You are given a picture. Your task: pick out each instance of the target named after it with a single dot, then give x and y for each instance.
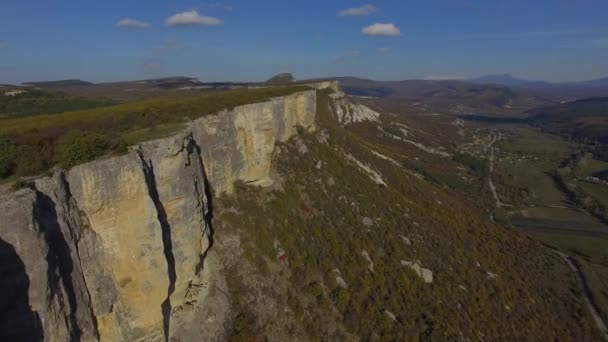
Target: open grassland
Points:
(142, 114)
(589, 167)
(597, 191)
(565, 228)
(528, 141)
(35, 102)
(534, 178)
(31, 144)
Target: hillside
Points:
(583, 120)
(562, 91)
(32, 144)
(281, 79)
(456, 97)
(31, 101)
(310, 215)
(60, 83)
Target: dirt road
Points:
(580, 281)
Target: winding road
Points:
(580, 280)
(490, 182)
(582, 286)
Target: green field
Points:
(565, 228)
(533, 176)
(590, 167)
(528, 141)
(35, 102)
(597, 191)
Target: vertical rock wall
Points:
(115, 249)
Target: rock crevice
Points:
(120, 248)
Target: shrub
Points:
(79, 147)
(477, 165)
(21, 184)
(7, 156)
(29, 161)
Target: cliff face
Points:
(119, 248)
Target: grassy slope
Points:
(35, 143)
(583, 120)
(318, 220)
(36, 102)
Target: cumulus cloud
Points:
(191, 18)
(381, 30)
(357, 11)
(132, 23)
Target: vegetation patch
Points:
(31, 144)
(31, 101)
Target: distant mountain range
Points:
(561, 90)
(455, 96)
(60, 83)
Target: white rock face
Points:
(424, 273)
(374, 175)
(341, 282)
(420, 146)
(346, 111)
(382, 156)
(391, 316)
(238, 144)
(369, 260)
(491, 275)
(405, 240)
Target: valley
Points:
(300, 212)
(306, 171)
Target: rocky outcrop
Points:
(346, 111)
(119, 249)
(424, 273)
(238, 144)
(329, 84)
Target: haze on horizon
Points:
(251, 41)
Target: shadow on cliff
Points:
(58, 258)
(148, 169)
(18, 322)
(209, 214)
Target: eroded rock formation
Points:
(119, 248)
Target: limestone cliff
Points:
(119, 249)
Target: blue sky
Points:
(557, 40)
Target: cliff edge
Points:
(119, 248)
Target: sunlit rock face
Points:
(118, 249)
(238, 144)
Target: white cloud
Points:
(381, 30)
(355, 52)
(191, 18)
(357, 11)
(132, 23)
